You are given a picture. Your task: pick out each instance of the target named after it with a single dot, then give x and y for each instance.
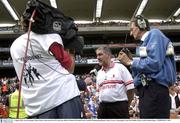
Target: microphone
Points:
(95, 70)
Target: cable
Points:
(45, 63)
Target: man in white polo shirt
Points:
(115, 86)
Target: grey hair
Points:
(105, 49)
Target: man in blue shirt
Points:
(154, 71)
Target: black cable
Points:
(45, 63)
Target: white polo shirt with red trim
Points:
(114, 83)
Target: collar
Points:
(144, 36)
(110, 66)
(175, 94)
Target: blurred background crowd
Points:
(89, 96)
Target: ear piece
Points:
(141, 23)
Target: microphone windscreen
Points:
(97, 67)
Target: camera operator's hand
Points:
(124, 59)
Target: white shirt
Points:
(52, 84)
(114, 83)
(173, 102)
(145, 35)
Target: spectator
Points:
(13, 105)
(134, 108)
(175, 102)
(3, 111)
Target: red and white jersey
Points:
(114, 83)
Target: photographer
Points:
(154, 72)
(49, 88)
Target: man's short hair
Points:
(105, 49)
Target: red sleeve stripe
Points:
(129, 82)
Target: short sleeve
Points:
(48, 39)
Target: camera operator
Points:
(49, 88)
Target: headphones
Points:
(142, 23)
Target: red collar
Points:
(110, 66)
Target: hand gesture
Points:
(124, 59)
(128, 53)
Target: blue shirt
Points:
(156, 64)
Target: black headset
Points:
(142, 23)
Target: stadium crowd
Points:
(89, 97)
